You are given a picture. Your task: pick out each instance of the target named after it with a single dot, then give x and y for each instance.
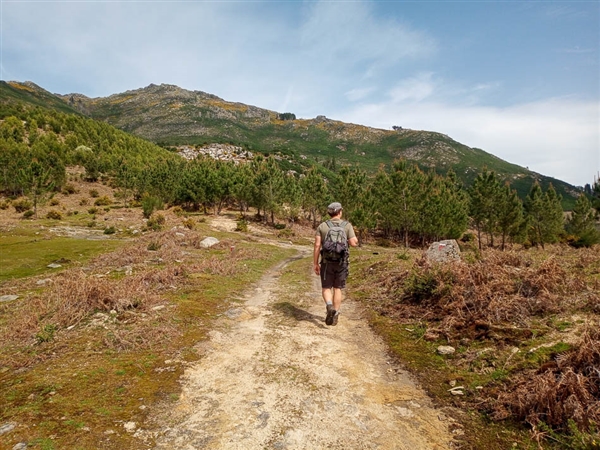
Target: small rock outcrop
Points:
(443, 251)
(208, 242)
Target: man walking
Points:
(332, 240)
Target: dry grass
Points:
(118, 291)
(503, 289)
(508, 302)
(567, 390)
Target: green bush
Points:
(84, 202)
(587, 239)
(94, 193)
(22, 205)
(103, 201)
(154, 246)
(54, 215)
(69, 189)
(241, 225)
(92, 211)
(189, 223)
(110, 230)
(156, 222)
(46, 334)
(4, 204)
(420, 286)
(54, 202)
(178, 211)
(151, 204)
(28, 214)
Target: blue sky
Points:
(520, 80)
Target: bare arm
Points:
(353, 242)
(316, 253)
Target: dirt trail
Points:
(274, 376)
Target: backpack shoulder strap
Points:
(329, 223)
(344, 223)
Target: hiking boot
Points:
(334, 321)
(330, 315)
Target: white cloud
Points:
(358, 94)
(344, 36)
(556, 137)
(417, 88)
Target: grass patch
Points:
(23, 255)
(91, 362)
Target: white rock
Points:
(7, 427)
(209, 242)
(130, 426)
(53, 266)
(20, 446)
(445, 350)
(8, 298)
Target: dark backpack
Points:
(335, 245)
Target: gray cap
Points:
(334, 207)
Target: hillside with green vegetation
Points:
(105, 277)
(172, 116)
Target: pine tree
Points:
(544, 214)
(554, 222)
(485, 193)
(510, 214)
(582, 223)
(36, 182)
(315, 194)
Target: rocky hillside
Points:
(170, 115)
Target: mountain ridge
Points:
(172, 116)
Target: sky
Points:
(518, 79)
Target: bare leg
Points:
(327, 295)
(337, 298)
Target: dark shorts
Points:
(333, 275)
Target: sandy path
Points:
(274, 376)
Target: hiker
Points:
(331, 243)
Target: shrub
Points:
(189, 223)
(151, 204)
(94, 193)
(91, 224)
(28, 214)
(93, 211)
(46, 334)
(54, 215)
(154, 246)
(22, 205)
(178, 211)
(587, 239)
(54, 202)
(156, 222)
(103, 201)
(285, 233)
(242, 225)
(84, 202)
(4, 204)
(69, 189)
(110, 230)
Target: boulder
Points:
(443, 251)
(445, 350)
(209, 242)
